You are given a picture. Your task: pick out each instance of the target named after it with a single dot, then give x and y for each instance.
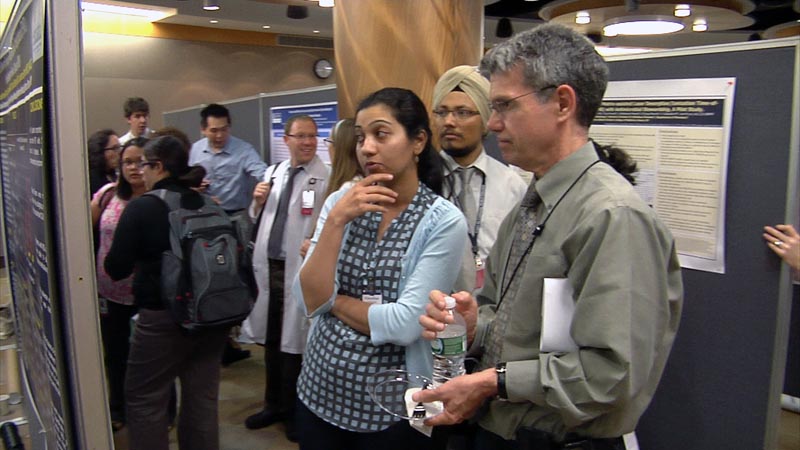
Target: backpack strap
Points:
(257, 223)
(172, 199)
(105, 199)
(173, 202)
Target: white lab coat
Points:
(298, 228)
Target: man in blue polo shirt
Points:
(233, 166)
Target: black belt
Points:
(231, 212)
(592, 444)
(530, 438)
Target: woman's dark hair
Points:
(176, 133)
(181, 136)
(344, 166)
(175, 159)
(619, 159)
(124, 188)
(96, 146)
(410, 112)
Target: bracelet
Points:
(500, 369)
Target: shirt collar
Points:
(450, 165)
(225, 149)
(561, 176)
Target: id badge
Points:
(479, 272)
(373, 297)
(307, 203)
(102, 306)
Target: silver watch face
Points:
(323, 68)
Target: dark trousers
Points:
(115, 326)
(317, 434)
(282, 369)
(531, 439)
(161, 352)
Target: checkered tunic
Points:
(339, 360)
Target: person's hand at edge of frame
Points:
(784, 240)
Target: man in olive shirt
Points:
(591, 230)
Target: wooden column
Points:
(408, 44)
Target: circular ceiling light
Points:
(641, 25)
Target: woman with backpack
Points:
(116, 297)
(161, 350)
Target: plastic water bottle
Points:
(449, 347)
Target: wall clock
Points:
(323, 68)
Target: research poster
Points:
(24, 158)
(678, 131)
(324, 114)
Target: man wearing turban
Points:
(483, 188)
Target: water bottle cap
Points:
(449, 302)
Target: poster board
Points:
(27, 211)
(47, 227)
(678, 131)
(325, 115)
(722, 384)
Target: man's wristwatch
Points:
(500, 369)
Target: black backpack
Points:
(206, 276)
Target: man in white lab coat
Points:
(286, 205)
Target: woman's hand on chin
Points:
(368, 195)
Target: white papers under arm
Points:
(558, 308)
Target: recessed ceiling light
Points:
(210, 5)
(213, 21)
(316, 31)
(700, 25)
(582, 18)
(266, 27)
(682, 11)
(326, 3)
(642, 25)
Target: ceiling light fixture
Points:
(152, 15)
(700, 25)
(210, 5)
(326, 3)
(213, 21)
(642, 25)
(266, 27)
(682, 11)
(582, 18)
(719, 15)
(783, 30)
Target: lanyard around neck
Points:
(536, 233)
(473, 236)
